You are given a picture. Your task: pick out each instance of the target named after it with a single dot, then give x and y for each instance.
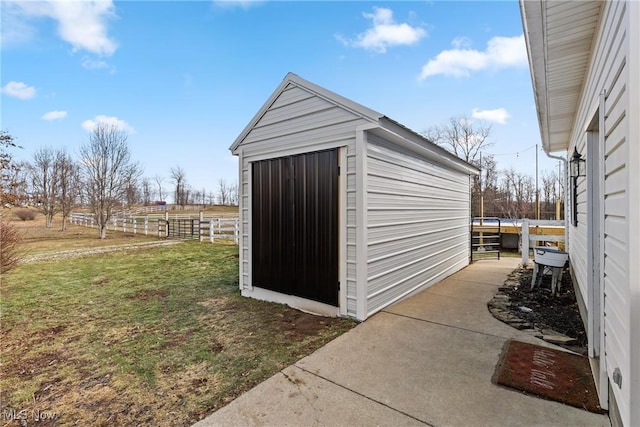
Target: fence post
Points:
(166, 224)
(146, 225)
(211, 230)
(525, 242)
(236, 232)
(135, 224)
(200, 234)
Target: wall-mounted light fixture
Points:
(577, 169)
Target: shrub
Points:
(9, 241)
(25, 214)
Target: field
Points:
(141, 336)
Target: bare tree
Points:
(159, 181)
(133, 191)
(19, 176)
(108, 169)
(211, 198)
(44, 181)
(519, 193)
(178, 177)
(146, 191)
(7, 168)
(10, 238)
(69, 184)
(233, 194)
(485, 187)
(223, 192)
(462, 137)
(549, 192)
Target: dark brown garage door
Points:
(295, 225)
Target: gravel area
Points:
(76, 253)
(553, 318)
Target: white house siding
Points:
(633, 221)
(299, 121)
(417, 222)
(351, 276)
(608, 72)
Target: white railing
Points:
(205, 227)
(529, 239)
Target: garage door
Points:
(295, 225)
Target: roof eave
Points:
(559, 37)
(534, 40)
(326, 94)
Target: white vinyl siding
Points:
(404, 202)
(616, 279)
(608, 73)
(417, 223)
(350, 176)
(299, 121)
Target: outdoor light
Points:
(578, 169)
(577, 164)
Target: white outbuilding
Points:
(344, 211)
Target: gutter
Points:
(566, 195)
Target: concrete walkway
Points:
(427, 360)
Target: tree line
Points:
(503, 193)
(104, 179)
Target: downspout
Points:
(566, 193)
(551, 156)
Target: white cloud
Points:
(501, 52)
(14, 30)
(384, 32)
(83, 24)
(92, 64)
(54, 115)
(499, 115)
(19, 90)
(88, 125)
(461, 42)
(244, 4)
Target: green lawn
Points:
(155, 336)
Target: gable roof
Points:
(382, 122)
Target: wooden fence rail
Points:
(194, 227)
(529, 239)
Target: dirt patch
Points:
(215, 303)
(296, 324)
(52, 331)
(28, 367)
(554, 318)
(119, 334)
(147, 294)
(100, 281)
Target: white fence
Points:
(529, 240)
(201, 227)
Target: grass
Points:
(39, 240)
(154, 336)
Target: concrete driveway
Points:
(427, 360)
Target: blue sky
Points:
(184, 78)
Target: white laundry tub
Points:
(552, 257)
